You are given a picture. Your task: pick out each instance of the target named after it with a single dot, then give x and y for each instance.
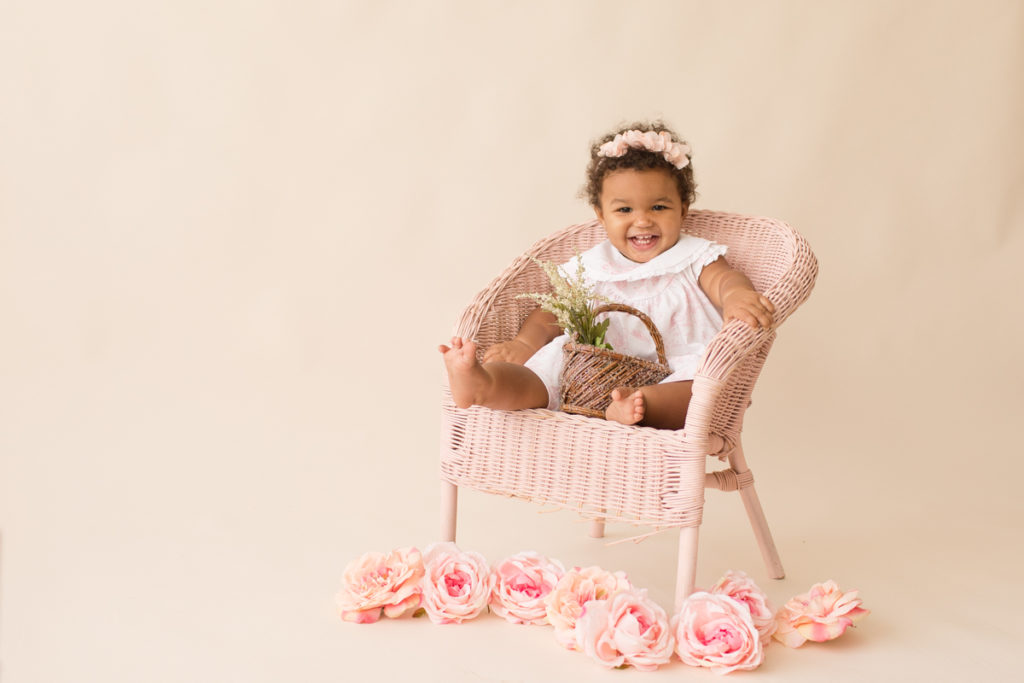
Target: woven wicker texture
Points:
(589, 374)
(602, 469)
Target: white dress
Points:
(665, 288)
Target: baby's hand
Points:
(747, 305)
(512, 351)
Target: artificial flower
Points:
(740, 587)
(676, 153)
(564, 603)
(716, 631)
(456, 584)
(821, 614)
(628, 629)
(380, 582)
(520, 585)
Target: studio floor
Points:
(232, 236)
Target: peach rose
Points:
(578, 586)
(456, 584)
(821, 614)
(717, 631)
(627, 629)
(520, 585)
(740, 587)
(379, 582)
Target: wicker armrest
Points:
(727, 349)
(496, 313)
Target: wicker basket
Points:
(590, 374)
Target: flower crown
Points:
(675, 153)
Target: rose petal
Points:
(367, 616)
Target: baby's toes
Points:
(639, 406)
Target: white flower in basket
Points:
(574, 304)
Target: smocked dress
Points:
(665, 288)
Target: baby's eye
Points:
(659, 207)
(624, 209)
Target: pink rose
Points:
(377, 582)
(740, 587)
(577, 587)
(521, 583)
(456, 584)
(627, 629)
(717, 632)
(821, 614)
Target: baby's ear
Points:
(600, 214)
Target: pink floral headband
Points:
(675, 153)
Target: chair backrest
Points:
(776, 258)
(762, 248)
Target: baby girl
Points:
(640, 185)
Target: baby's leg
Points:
(498, 385)
(659, 405)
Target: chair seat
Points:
(600, 469)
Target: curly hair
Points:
(637, 160)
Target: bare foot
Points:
(467, 379)
(626, 408)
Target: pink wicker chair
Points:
(607, 471)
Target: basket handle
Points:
(659, 344)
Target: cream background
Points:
(232, 235)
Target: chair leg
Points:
(449, 510)
(763, 534)
(597, 528)
(686, 571)
(755, 513)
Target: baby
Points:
(640, 185)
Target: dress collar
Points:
(604, 263)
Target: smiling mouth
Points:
(643, 242)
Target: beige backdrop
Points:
(233, 234)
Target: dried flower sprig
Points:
(573, 303)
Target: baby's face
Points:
(642, 212)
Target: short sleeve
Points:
(712, 252)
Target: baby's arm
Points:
(538, 329)
(732, 293)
